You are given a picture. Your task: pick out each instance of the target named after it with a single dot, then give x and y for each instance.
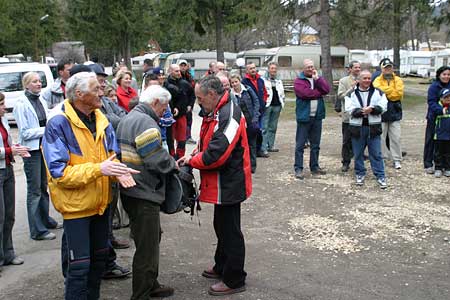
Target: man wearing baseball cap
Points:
(391, 84)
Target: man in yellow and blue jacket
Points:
(79, 148)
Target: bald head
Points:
(174, 71)
(308, 68)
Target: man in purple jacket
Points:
(309, 110)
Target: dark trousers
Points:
(308, 131)
(428, 147)
(252, 135)
(188, 124)
(7, 214)
(442, 155)
(145, 229)
(347, 151)
(170, 141)
(87, 249)
(39, 220)
(230, 251)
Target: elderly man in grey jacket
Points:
(346, 87)
(140, 142)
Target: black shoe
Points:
(116, 272)
(274, 150)
(345, 168)
(264, 154)
(404, 153)
(162, 291)
(299, 175)
(319, 171)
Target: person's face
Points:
(308, 69)
(225, 83)
(126, 81)
(159, 108)
(213, 68)
(176, 73)
(273, 71)
(220, 67)
(2, 108)
(365, 80)
(206, 101)
(387, 70)
(184, 67)
(355, 70)
(235, 84)
(145, 67)
(102, 81)
(65, 74)
(113, 96)
(444, 77)
(90, 99)
(161, 79)
(251, 69)
(35, 85)
(446, 100)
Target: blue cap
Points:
(445, 93)
(158, 71)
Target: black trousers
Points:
(442, 155)
(230, 251)
(428, 147)
(347, 150)
(252, 135)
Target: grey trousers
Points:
(7, 214)
(394, 131)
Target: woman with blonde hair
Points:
(30, 113)
(124, 90)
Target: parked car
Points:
(11, 81)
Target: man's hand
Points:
(111, 168)
(367, 110)
(315, 75)
(126, 180)
(184, 160)
(20, 150)
(175, 112)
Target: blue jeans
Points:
(7, 213)
(270, 124)
(375, 156)
(86, 240)
(308, 131)
(39, 220)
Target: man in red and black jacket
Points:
(223, 158)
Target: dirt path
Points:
(321, 238)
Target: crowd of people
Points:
(92, 147)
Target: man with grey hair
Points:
(309, 88)
(223, 158)
(79, 147)
(140, 142)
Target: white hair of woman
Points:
(80, 82)
(155, 92)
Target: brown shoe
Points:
(162, 291)
(221, 289)
(211, 274)
(120, 244)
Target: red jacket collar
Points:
(222, 102)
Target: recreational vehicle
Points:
(137, 62)
(439, 58)
(415, 63)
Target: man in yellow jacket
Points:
(392, 86)
(79, 147)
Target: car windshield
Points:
(12, 82)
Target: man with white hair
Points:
(79, 147)
(140, 142)
(309, 88)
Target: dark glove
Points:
(357, 113)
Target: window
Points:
(12, 82)
(191, 62)
(136, 62)
(337, 62)
(432, 62)
(255, 60)
(285, 61)
(445, 61)
(422, 61)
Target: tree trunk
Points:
(219, 33)
(396, 34)
(324, 35)
(411, 28)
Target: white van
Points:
(11, 81)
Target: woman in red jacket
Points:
(124, 90)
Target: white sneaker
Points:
(438, 173)
(447, 173)
(382, 182)
(429, 170)
(397, 165)
(360, 179)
